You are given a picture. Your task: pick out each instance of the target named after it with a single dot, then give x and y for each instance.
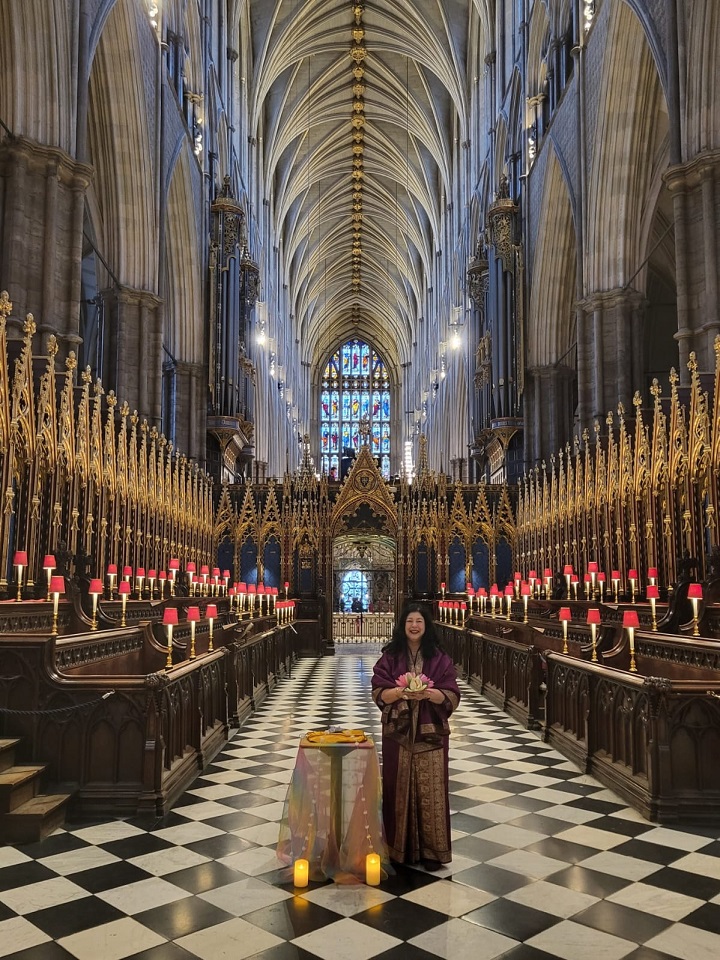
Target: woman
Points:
(416, 808)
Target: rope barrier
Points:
(54, 710)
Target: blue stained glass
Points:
(385, 467)
(345, 399)
(335, 464)
(323, 464)
(365, 361)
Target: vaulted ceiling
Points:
(359, 107)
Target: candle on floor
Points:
(372, 869)
(300, 873)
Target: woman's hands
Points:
(430, 693)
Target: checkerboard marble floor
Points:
(546, 862)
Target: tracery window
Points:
(354, 400)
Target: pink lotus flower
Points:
(407, 681)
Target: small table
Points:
(333, 815)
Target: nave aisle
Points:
(547, 863)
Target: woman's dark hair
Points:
(429, 643)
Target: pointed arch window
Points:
(355, 391)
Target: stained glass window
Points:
(354, 394)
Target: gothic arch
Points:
(183, 295)
(120, 142)
(625, 162)
(552, 291)
(37, 53)
(703, 87)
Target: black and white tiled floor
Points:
(547, 863)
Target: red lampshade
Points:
(211, 611)
(124, 588)
(616, 575)
(652, 591)
(586, 578)
(630, 619)
(494, 590)
(568, 570)
(260, 588)
(162, 575)
(592, 567)
(216, 571)
(456, 604)
(275, 591)
(112, 569)
(140, 572)
(193, 613)
(205, 570)
(468, 586)
(190, 566)
(242, 587)
(593, 615)
(518, 575)
(695, 591)
(509, 590)
(287, 584)
(525, 590)
(20, 558)
(49, 562)
(482, 592)
(232, 591)
(170, 617)
(226, 574)
(57, 585)
(532, 575)
(152, 574)
(470, 591)
(652, 573)
(632, 575)
(574, 578)
(95, 587)
(463, 605)
(601, 577)
(442, 585)
(174, 564)
(547, 573)
(565, 614)
(251, 588)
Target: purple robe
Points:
(416, 807)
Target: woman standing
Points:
(416, 808)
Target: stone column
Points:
(612, 345)
(42, 222)
(133, 358)
(552, 411)
(694, 186)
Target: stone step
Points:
(19, 784)
(7, 752)
(36, 818)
